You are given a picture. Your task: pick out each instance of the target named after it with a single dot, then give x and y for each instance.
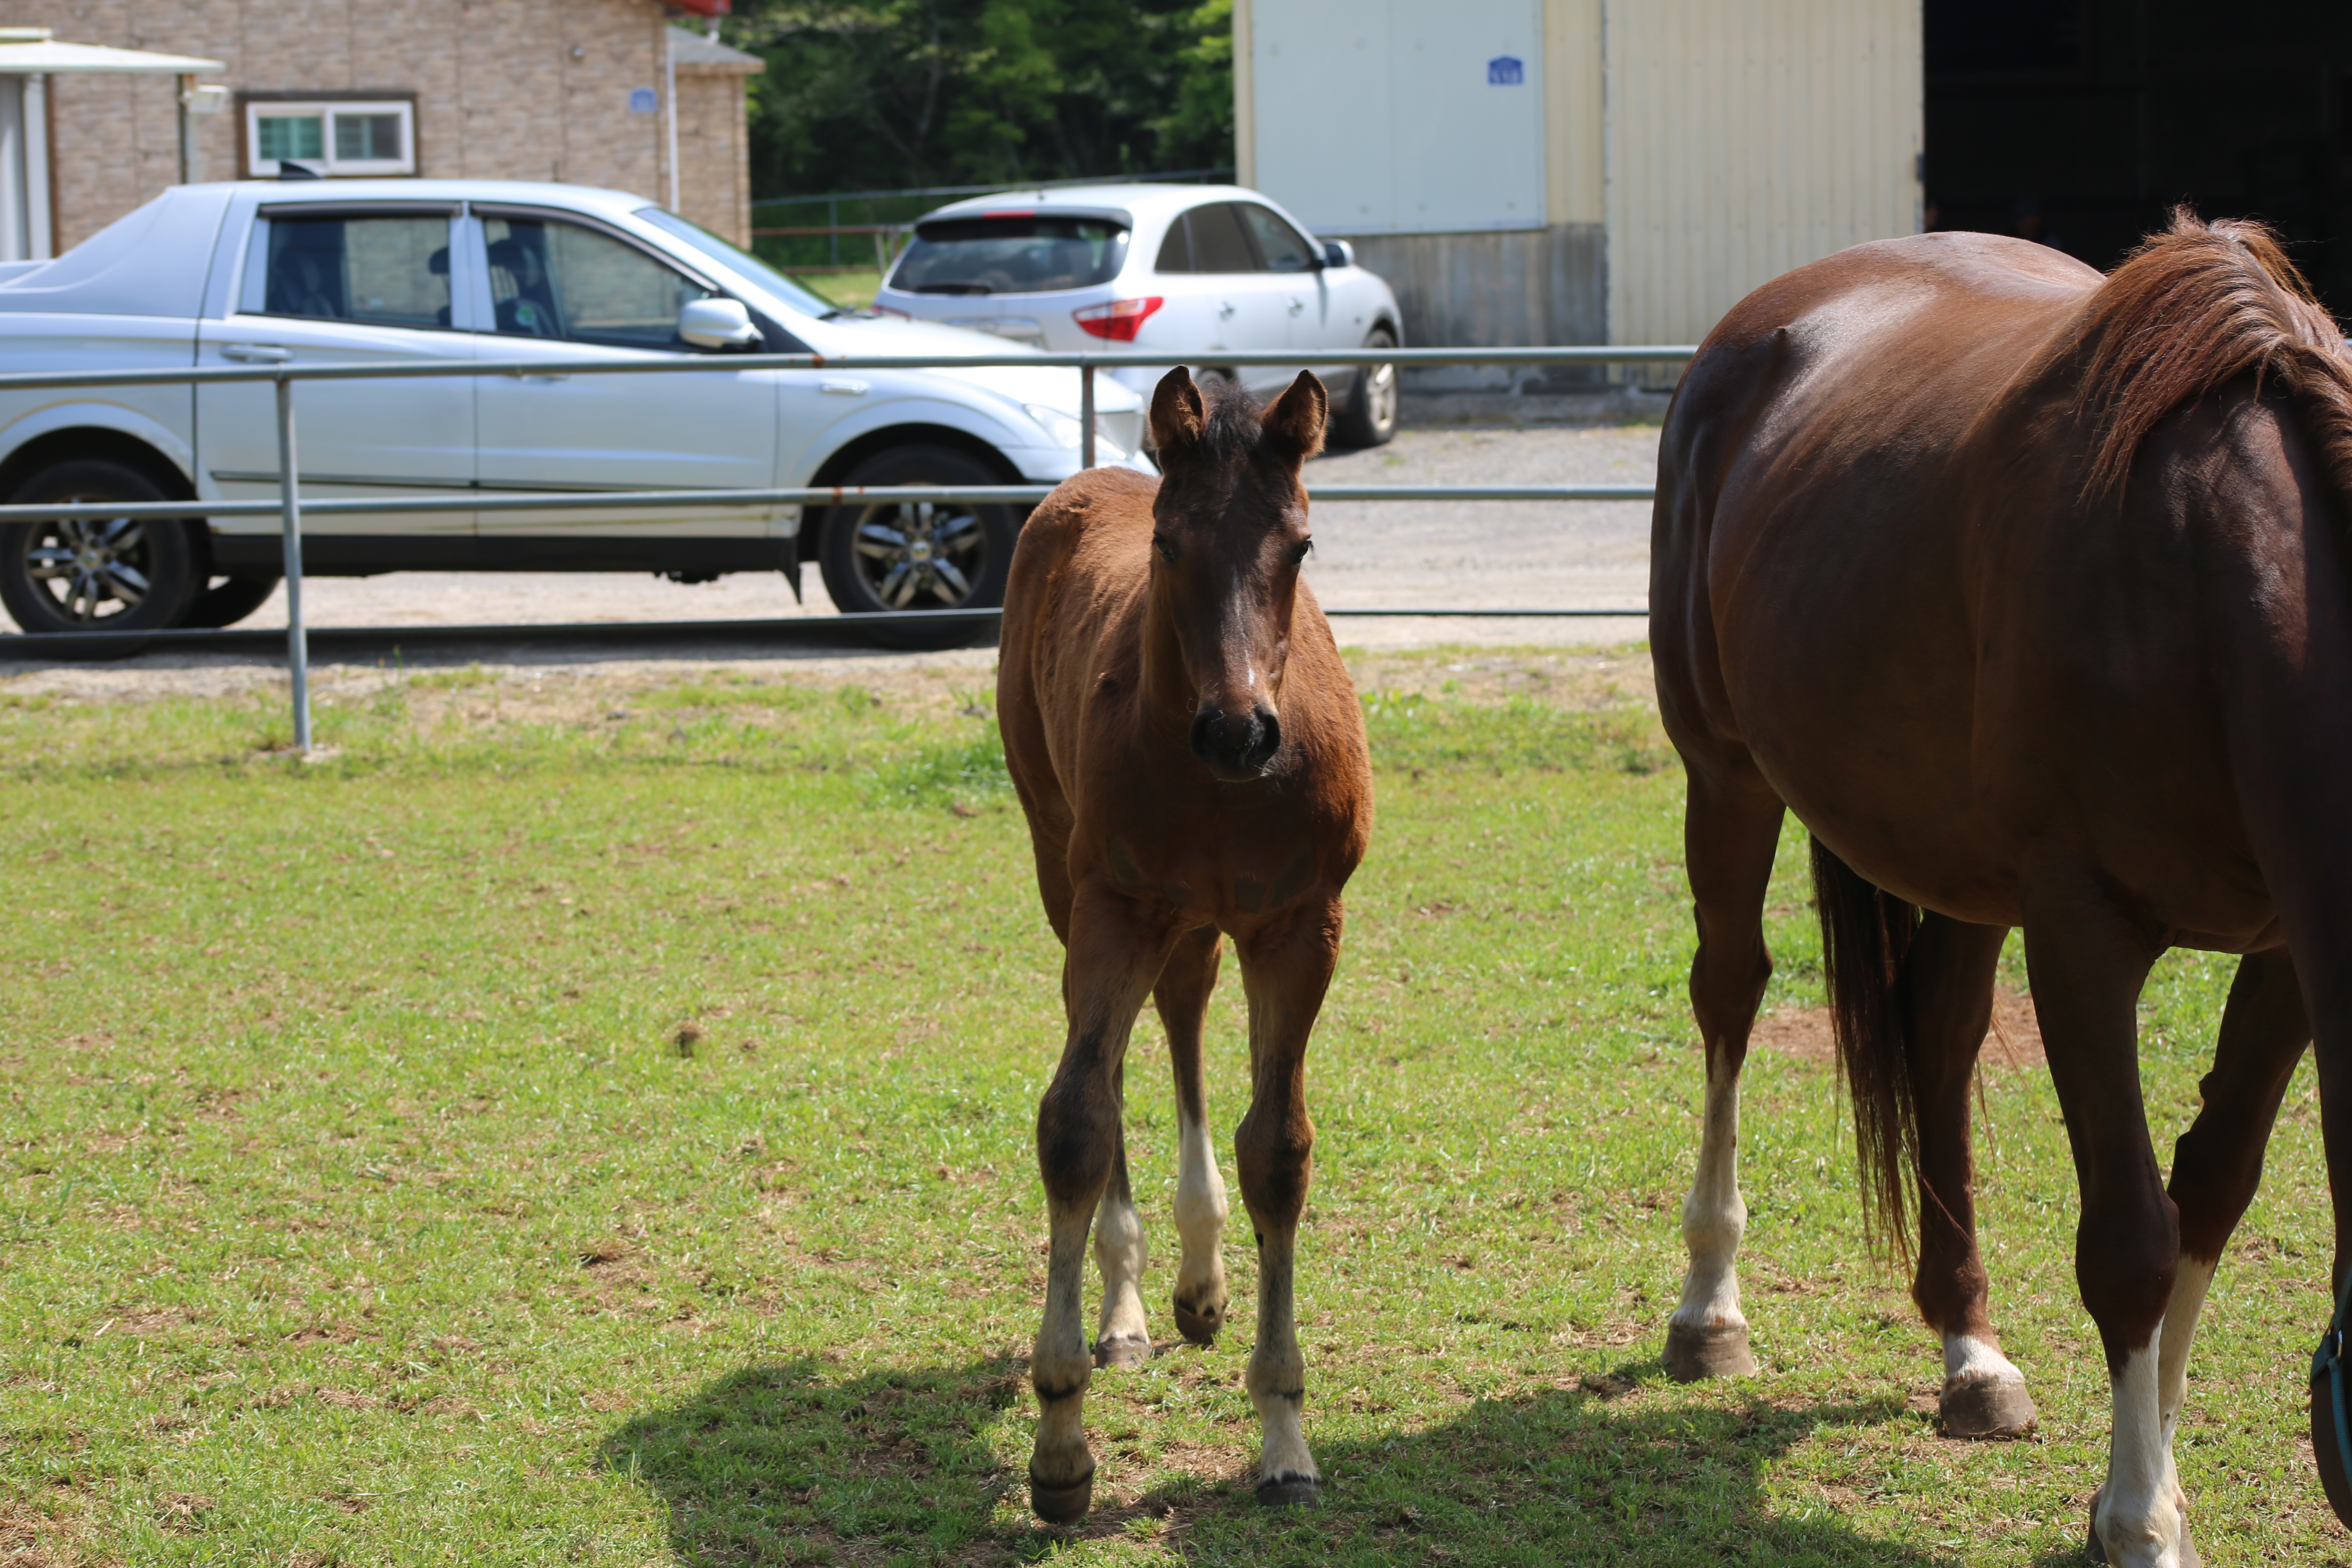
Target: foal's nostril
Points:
(1268, 739)
(1205, 726)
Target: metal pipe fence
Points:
(289, 508)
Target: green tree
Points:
(861, 94)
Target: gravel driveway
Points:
(1371, 554)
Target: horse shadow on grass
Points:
(788, 1463)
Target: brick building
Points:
(593, 92)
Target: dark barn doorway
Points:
(2079, 122)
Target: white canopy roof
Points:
(25, 52)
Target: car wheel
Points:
(93, 574)
(893, 555)
(230, 601)
(1370, 418)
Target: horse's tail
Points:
(1865, 936)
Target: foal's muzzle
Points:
(1236, 746)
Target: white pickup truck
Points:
(392, 270)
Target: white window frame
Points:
(260, 168)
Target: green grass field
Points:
(360, 1204)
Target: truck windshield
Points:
(1011, 253)
(742, 262)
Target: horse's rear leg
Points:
(1948, 1005)
(2089, 960)
(2216, 1165)
(1122, 1338)
(1182, 996)
(1730, 830)
(1116, 951)
(1287, 969)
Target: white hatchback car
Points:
(392, 270)
(1189, 268)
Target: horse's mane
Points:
(2194, 306)
(1231, 424)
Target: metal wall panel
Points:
(1398, 116)
(1748, 137)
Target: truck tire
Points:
(891, 556)
(111, 575)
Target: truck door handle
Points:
(1225, 310)
(1297, 305)
(257, 354)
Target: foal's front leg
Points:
(1285, 968)
(1183, 996)
(1115, 950)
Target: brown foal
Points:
(1191, 754)
(2027, 591)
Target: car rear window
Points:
(1011, 253)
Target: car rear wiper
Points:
(954, 289)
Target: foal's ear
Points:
(1176, 413)
(1295, 421)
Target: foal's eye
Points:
(1301, 551)
(1166, 546)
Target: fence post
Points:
(289, 516)
(1087, 416)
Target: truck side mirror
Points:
(718, 323)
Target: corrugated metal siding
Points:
(1747, 137)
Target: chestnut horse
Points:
(1191, 755)
(2026, 590)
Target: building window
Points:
(336, 138)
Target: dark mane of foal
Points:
(2193, 308)
(1233, 428)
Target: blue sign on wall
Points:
(1506, 70)
(645, 100)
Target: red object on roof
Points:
(703, 7)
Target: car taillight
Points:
(1119, 319)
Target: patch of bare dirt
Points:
(1803, 1034)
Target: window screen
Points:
(1218, 243)
(1283, 247)
(561, 280)
(391, 271)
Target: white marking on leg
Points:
(1201, 1211)
(1715, 1216)
(2139, 1516)
(1969, 1359)
(1277, 1372)
(2194, 1278)
(1121, 1255)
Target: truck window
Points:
(390, 272)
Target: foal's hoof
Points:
(1985, 1407)
(1061, 1504)
(2098, 1549)
(1290, 1489)
(1718, 1351)
(1199, 1328)
(1125, 1350)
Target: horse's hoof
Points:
(2327, 1454)
(1126, 1350)
(1985, 1408)
(1062, 1504)
(1290, 1489)
(2098, 1549)
(1720, 1351)
(1199, 1328)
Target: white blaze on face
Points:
(2139, 1518)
